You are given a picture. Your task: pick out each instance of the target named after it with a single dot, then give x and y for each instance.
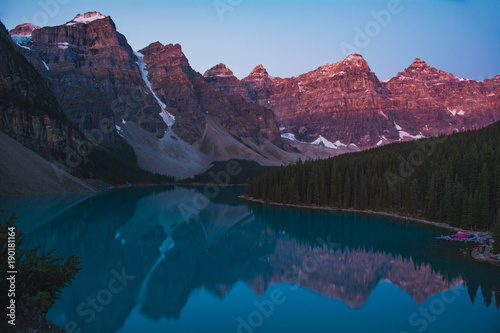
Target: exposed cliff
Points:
(191, 100)
(345, 103)
(30, 113)
(176, 123)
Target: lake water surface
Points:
(170, 259)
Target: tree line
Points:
(453, 179)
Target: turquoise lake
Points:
(171, 259)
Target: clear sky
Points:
(292, 37)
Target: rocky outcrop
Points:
(175, 118)
(222, 79)
(190, 100)
(346, 103)
(29, 111)
(259, 86)
(430, 101)
(93, 72)
(175, 122)
(24, 29)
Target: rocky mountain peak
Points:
(157, 47)
(259, 70)
(356, 60)
(86, 18)
(418, 63)
(419, 70)
(153, 47)
(174, 47)
(218, 70)
(24, 29)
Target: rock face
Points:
(94, 74)
(432, 101)
(222, 79)
(191, 100)
(24, 29)
(29, 111)
(176, 123)
(346, 103)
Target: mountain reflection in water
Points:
(225, 242)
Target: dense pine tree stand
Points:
(453, 179)
(496, 234)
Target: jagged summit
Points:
(419, 70)
(355, 60)
(158, 46)
(218, 70)
(24, 29)
(418, 63)
(86, 18)
(259, 70)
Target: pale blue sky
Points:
(293, 37)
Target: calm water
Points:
(172, 260)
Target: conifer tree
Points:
(496, 234)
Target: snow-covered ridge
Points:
(322, 141)
(86, 18)
(167, 117)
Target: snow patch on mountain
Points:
(63, 45)
(338, 74)
(24, 47)
(119, 130)
(454, 112)
(403, 134)
(86, 18)
(167, 117)
(289, 136)
(300, 86)
(321, 141)
(20, 39)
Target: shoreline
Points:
(495, 259)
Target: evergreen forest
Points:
(453, 179)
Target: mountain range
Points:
(82, 82)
